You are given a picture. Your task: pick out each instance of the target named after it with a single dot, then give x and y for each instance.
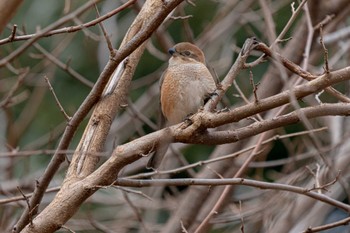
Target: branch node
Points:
(249, 45)
(13, 33)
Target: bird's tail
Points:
(157, 157)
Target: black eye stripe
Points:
(186, 53)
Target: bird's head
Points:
(187, 52)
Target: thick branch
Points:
(229, 136)
(299, 92)
(86, 106)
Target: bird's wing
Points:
(161, 120)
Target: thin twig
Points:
(325, 21)
(324, 187)
(134, 112)
(109, 43)
(233, 181)
(28, 205)
(43, 32)
(16, 153)
(8, 99)
(67, 228)
(191, 3)
(255, 86)
(241, 217)
(248, 46)
(241, 94)
(64, 66)
(183, 228)
(128, 190)
(342, 222)
(73, 28)
(325, 51)
(181, 17)
(299, 71)
(13, 33)
(295, 13)
(136, 211)
(56, 99)
(228, 188)
(21, 198)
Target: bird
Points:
(184, 87)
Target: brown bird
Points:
(184, 87)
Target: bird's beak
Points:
(171, 51)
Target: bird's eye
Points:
(186, 53)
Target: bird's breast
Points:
(183, 90)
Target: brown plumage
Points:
(184, 86)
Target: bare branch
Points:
(56, 99)
(38, 35)
(344, 222)
(71, 28)
(8, 99)
(28, 205)
(109, 43)
(325, 50)
(233, 181)
(297, 70)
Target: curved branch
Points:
(233, 181)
